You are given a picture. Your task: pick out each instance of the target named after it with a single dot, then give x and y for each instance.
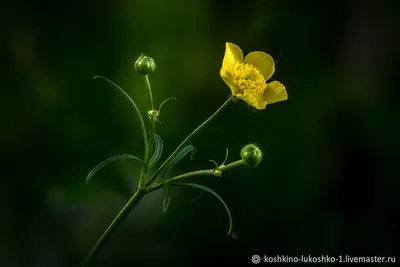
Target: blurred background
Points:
(329, 180)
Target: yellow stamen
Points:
(248, 79)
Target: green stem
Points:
(147, 83)
(118, 219)
(149, 138)
(152, 131)
(160, 184)
(234, 164)
(190, 174)
(184, 142)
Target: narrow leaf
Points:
(214, 162)
(158, 149)
(208, 190)
(144, 133)
(226, 157)
(193, 153)
(108, 161)
(167, 197)
(165, 101)
(118, 88)
(179, 156)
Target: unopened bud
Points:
(145, 65)
(218, 172)
(251, 155)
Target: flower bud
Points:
(145, 65)
(153, 114)
(251, 155)
(218, 172)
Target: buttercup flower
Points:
(247, 78)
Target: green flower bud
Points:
(153, 114)
(145, 65)
(218, 172)
(251, 155)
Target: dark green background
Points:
(329, 180)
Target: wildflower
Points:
(247, 78)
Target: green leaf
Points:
(108, 161)
(142, 125)
(165, 101)
(214, 162)
(193, 153)
(178, 156)
(167, 197)
(208, 190)
(226, 157)
(119, 89)
(158, 149)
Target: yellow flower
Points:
(247, 78)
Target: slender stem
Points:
(147, 83)
(152, 131)
(149, 138)
(160, 184)
(184, 142)
(234, 164)
(119, 218)
(142, 179)
(190, 174)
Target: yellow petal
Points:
(274, 92)
(263, 62)
(255, 101)
(233, 54)
(228, 80)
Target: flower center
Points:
(248, 79)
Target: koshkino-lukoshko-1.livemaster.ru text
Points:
(256, 259)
